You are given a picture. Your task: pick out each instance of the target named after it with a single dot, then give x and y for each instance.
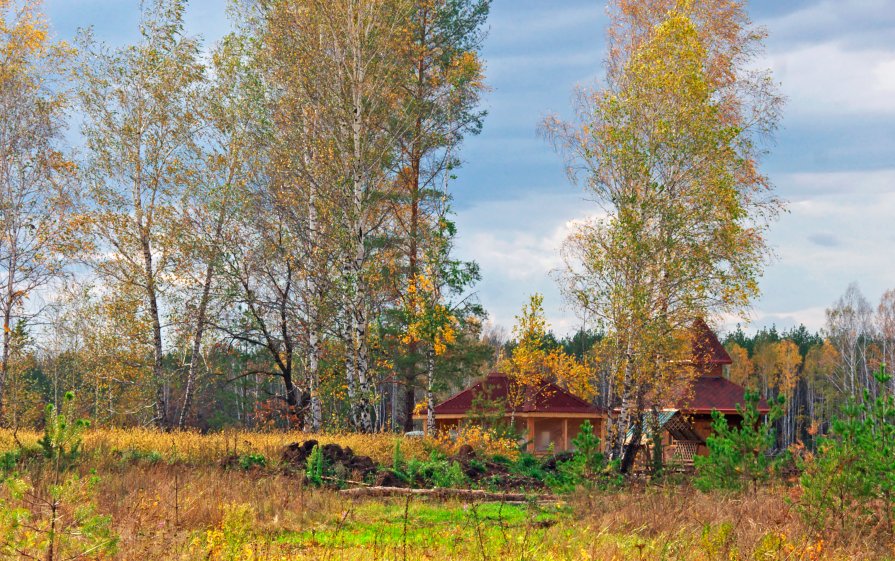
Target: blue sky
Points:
(834, 157)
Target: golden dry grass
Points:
(196, 448)
(184, 506)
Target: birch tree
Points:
(230, 157)
(849, 328)
(140, 120)
(37, 188)
(345, 71)
(668, 148)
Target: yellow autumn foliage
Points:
(531, 364)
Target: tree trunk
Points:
(409, 404)
(430, 395)
(7, 340)
(624, 414)
(316, 409)
(363, 412)
(631, 449)
(158, 373)
(197, 346)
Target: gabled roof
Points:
(546, 397)
(707, 349)
(715, 392)
(670, 420)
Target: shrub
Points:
(150, 457)
(249, 461)
(9, 461)
(437, 471)
(529, 466)
(447, 475)
(481, 440)
(588, 466)
(398, 462)
(738, 456)
(231, 540)
(56, 521)
(315, 466)
(587, 447)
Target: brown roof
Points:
(707, 349)
(715, 392)
(546, 397)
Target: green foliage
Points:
(61, 441)
(529, 466)
(151, 457)
(315, 466)
(249, 461)
(588, 466)
(569, 475)
(398, 462)
(54, 517)
(9, 461)
(437, 471)
(587, 447)
(491, 414)
(738, 456)
(851, 481)
(58, 521)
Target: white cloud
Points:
(838, 230)
(839, 233)
(516, 242)
(827, 79)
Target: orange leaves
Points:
(742, 370)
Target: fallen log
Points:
(445, 493)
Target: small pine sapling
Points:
(61, 442)
(314, 470)
(55, 517)
(738, 456)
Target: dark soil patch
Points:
(342, 461)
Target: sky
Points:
(833, 159)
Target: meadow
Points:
(177, 496)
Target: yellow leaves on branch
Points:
(23, 36)
(428, 320)
(531, 364)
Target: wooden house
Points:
(547, 416)
(686, 421)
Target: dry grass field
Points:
(169, 496)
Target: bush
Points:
(481, 440)
(738, 456)
(437, 471)
(249, 461)
(587, 467)
(529, 466)
(315, 467)
(54, 521)
(587, 447)
(9, 461)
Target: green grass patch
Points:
(382, 524)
